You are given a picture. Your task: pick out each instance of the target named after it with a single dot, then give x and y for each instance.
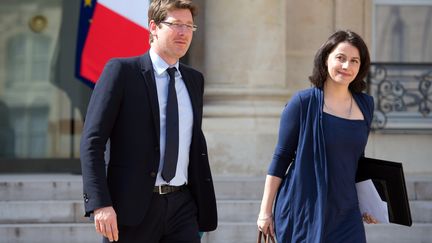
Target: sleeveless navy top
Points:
(345, 141)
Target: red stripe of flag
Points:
(111, 35)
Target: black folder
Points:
(389, 180)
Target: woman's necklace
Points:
(349, 111)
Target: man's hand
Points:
(106, 223)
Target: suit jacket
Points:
(124, 108)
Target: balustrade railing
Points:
(403, 95)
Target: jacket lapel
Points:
(149, 79)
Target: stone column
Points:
(246, 88)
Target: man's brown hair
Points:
(158, 10)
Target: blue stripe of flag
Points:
(86, 14)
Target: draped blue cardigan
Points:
(301, 200)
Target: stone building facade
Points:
(255, 54)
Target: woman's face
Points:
(343, 64)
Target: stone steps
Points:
(69, 187)
(59, 211)
(227, 232)
(40, 187)
(46, 208)
(53, 233)
(71, 211)
(391, 233)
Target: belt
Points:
(165, 189)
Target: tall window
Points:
(401, 74)
(28, 56)
(37, 113)
(27, 68)
(31, 130)
(402, 31)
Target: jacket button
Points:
(86, 200)
(153, 174)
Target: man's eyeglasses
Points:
(178, 26)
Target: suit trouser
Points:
(171, 218)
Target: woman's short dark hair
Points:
(320, 72)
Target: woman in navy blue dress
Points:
(323, 133)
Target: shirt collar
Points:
(159, 65)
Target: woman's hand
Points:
(369, 219)
(265, 224)
(265, 218)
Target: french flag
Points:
(116, 28)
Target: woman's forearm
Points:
(271, 186)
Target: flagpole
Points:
(72, 131)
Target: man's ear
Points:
(153, 28)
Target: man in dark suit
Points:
(157, 186)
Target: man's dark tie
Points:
(172, 130)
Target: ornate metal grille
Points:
(402, 94)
